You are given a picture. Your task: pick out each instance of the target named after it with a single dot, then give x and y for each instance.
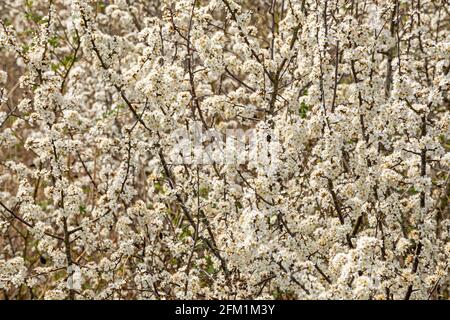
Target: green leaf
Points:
(54, 41)
(203, 192)
(34, 17)
(303, 110)
(54, 67)
(412, 191)
(209, 265)
(68, 60)
(82, 209)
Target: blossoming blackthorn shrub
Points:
(342, 193)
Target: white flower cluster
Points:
(338, 187)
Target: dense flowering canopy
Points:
(121, 179)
